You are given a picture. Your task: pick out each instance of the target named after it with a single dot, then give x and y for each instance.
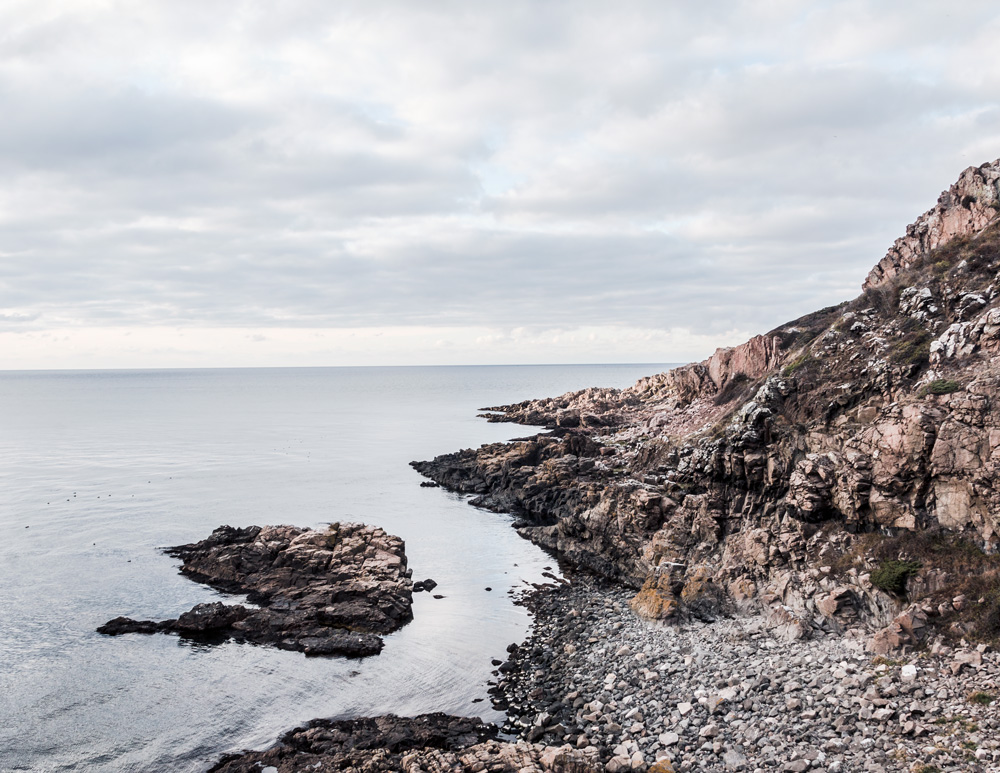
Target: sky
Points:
(210, 184)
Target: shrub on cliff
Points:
(913, 347)
(798, 364)
(941, 386)
(734, 388)
(891, 576)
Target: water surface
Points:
(99, 470)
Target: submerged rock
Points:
(325, 592)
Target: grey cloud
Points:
(57, 126)
(716, 166)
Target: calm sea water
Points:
(99, 470)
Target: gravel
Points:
(728, 695)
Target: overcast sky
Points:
(192, 182)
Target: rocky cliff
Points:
(837, 472)
(965, 209)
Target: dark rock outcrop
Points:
(430, 743)
(319, 592)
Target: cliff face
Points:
(841, 471)
(966, 208)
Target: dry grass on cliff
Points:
(739, 386)
(949, 553)
(967, 571)
(944, 265)
(804, 330)
(981, 253)
(883, 299)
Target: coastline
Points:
(809, 521)
(177, 704)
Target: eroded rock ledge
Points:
(327, 592)
(430, 743)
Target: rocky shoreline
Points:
(597, 688)
(729, 695)
(837, 472)
(783, 558)
(429, 743)
(794, 542)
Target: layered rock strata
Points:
(840, 470)
(328, 592)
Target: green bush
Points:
(941, 386)
(891, 576)
(797, 364)
(981, 698)
(914, 348)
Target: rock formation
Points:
(965, 209)
(840, 471)
(319, 592)
(430, 743)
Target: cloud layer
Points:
(684, 175)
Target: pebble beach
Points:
(729, 695)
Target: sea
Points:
(100, 470)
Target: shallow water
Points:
(98, 470)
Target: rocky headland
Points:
(837, 473)
(805, 525)
(329, 592)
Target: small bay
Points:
(101, 469)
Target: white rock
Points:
(708, 731)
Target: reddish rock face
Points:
(759, 355)
(965, 209)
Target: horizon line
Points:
(671, 363)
